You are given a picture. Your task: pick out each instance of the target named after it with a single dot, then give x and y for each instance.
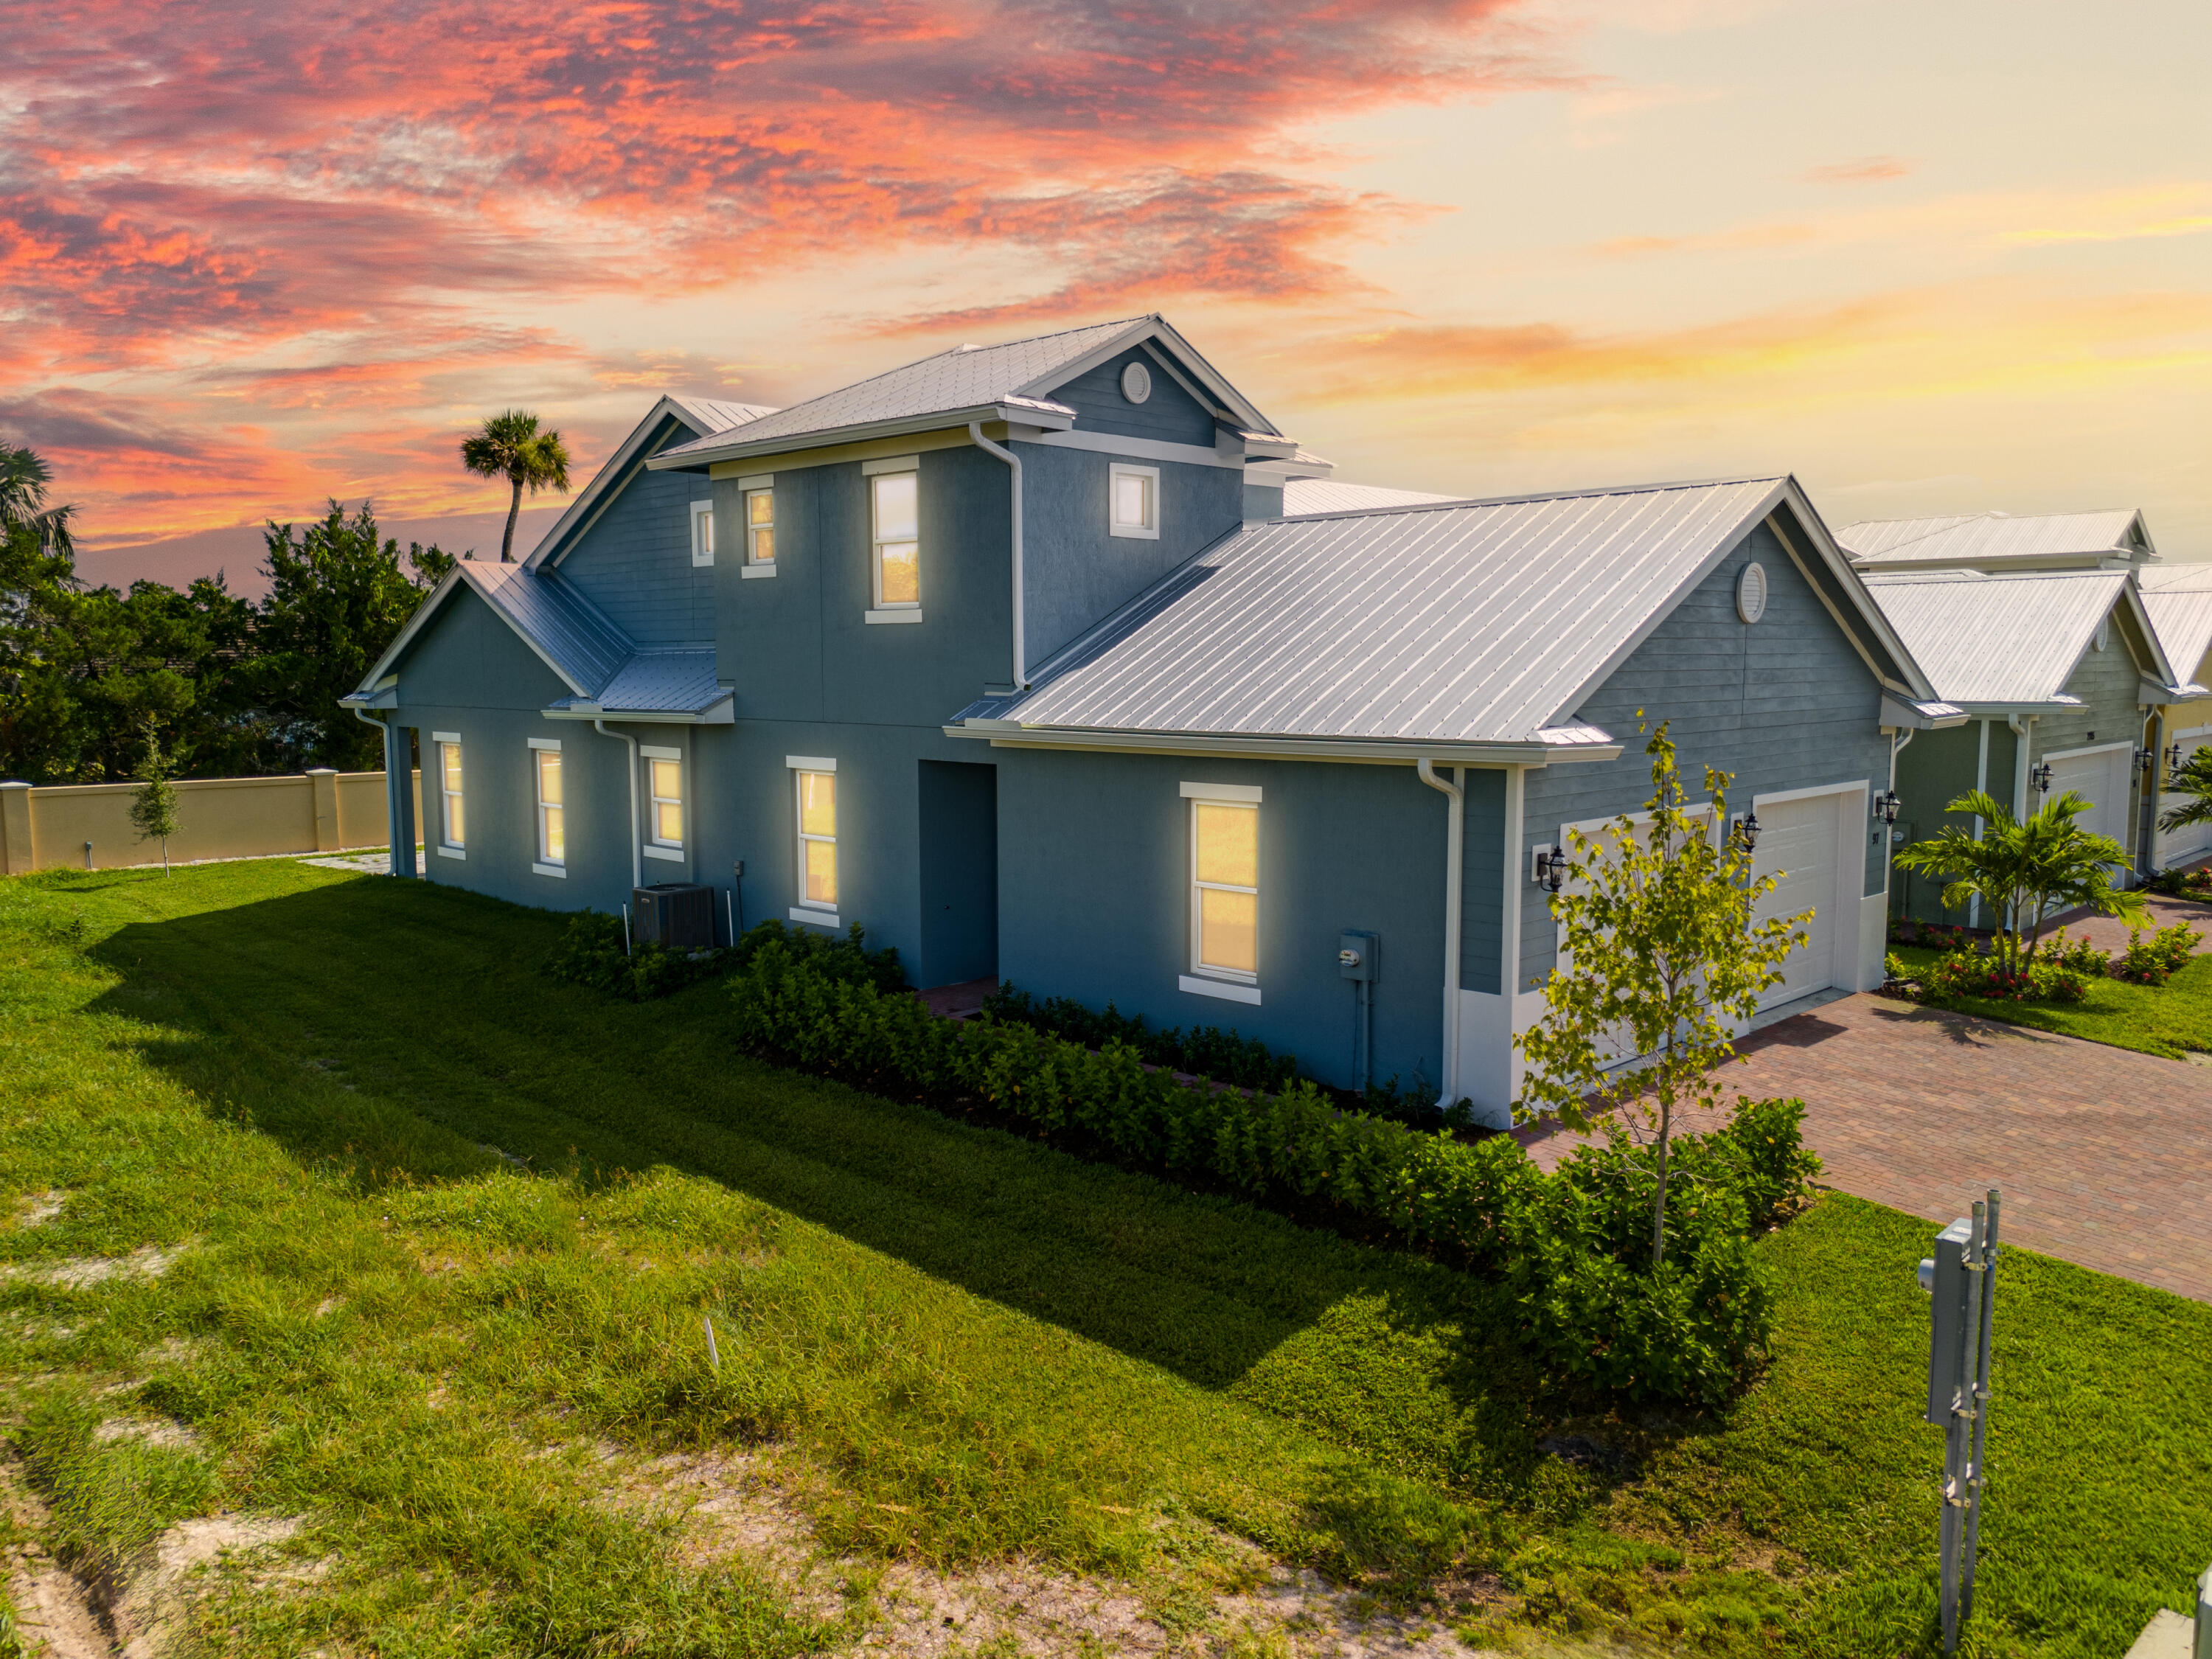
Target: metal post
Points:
(1980, 1479)
(1960, 1279)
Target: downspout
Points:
(1021, 623)
(391, 804)
(636, 858)
(1898, 744)
(2020, 766)
(1454, 842)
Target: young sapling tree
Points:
(1663, 953)
(154, 807)
(2025, 871)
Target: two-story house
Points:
(1015, 657)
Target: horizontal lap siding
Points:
(635, 562)
(1786, 703)
(1169, 414)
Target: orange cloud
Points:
(1867, 170)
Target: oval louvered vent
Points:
(1136, 383)
(1751, 592)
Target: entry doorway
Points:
(959, 871)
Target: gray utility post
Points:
(1961, 1282)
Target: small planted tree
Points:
(2194, 781)
(2024, 872)
(1658, 921)
(154, 808)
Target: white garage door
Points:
(2100, 777)
(1797, 841)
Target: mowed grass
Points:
(2168, 1020)
(440, 1228)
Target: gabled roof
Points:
(655, 682)
(1994, 540)
(1302, 496)
(703, 416)
(1471, 624)
(1011, 380)
(2008, 640)
(2182, 615)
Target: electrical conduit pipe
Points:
(1021, 652)
(636, 858)
(1455, 841)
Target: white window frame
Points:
(702, 533)
(820, 915)
(654, 847)
(760, 484)
(448, 848)
(1229, 984)
(545, 864)
(1149, 531)
(898, 610)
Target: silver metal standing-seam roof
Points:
(663, 682)
(1969, 539)
(966, 377)
(573, 634)
(2182, 617)
(1999, 639)
(1328, 496)
(1477, 623)
(713, 415)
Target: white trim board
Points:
(1246, 793)
(2090, 749)
(1137, 449)
(1227, 990)
(810, 763)
(819, 918)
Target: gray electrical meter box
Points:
(1945, 1278)
(1359, 956)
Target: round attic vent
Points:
(1136, 383)
(1751, 592)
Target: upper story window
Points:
(756, 521)
(815, 780)
(1134, 501)
(552, 814)
(452, 807)
(1224, 864)
(702, 532)
(895, 521)
(664, 777)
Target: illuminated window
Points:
(453, 816)
(552, 821)
(817, 838)
(1134, 501)
(664, 776)
(1224, 911)
(895, 514)
(760, 526)
(702, 532)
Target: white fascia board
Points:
(606, 483)
(799, 443)
(1897, 713)
(721, 714)
(1187, 363)
(2160, 667)
(1012, 734)
(1137, 449)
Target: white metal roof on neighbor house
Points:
(1476, 623)
(1327, 495)
(1996, 538)
(2182, 614)
(2000, 639)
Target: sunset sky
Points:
(1930, 257)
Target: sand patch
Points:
(36, 1209)
(153, 1599)
(148, 1432)
(83, 1272)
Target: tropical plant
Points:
(509, 446)
(23, 480)
(1658, 921)
(2025, 873)
(2194, 781)
(154, 808)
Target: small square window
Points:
(702, 532)
(1134, 501)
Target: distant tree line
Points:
(92, 678)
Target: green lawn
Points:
(2166, 1019)
(443, 1233)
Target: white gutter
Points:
(1454, 842)
(1021, 652)
(636, 858)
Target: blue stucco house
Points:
(1019, 657)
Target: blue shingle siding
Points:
(1786, 703)
(635, 562)
(1076, 571)
(1170, 415)
(2108, 683)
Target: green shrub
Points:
(1204, 1051)
(2155, 960)
(1570, 1244)
(592, 952)
(2077, 954)
(1954, 978)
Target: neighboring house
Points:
(2180, 599)
(1304, 496)
(2062, 669)
(1012, 656)
(2115, 538)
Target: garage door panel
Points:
(1798, 843)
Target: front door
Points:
(959, 872)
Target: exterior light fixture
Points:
(1886, 804)
(1747, 831)
(1550, 869)
(2145, 758)
(2040, 775)
(2173, 761)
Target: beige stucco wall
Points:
(316, 811)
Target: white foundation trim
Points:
(819, 918)
(1227, 990)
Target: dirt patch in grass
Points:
(36, 1209)
(83, 1272)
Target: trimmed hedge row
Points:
(594, 951)
(1573, 1246)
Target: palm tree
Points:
(2026, 871)
(2195, 780)
(23, 480)
(511, 446)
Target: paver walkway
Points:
(2104, 1155)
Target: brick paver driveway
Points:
(2104, 1155)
